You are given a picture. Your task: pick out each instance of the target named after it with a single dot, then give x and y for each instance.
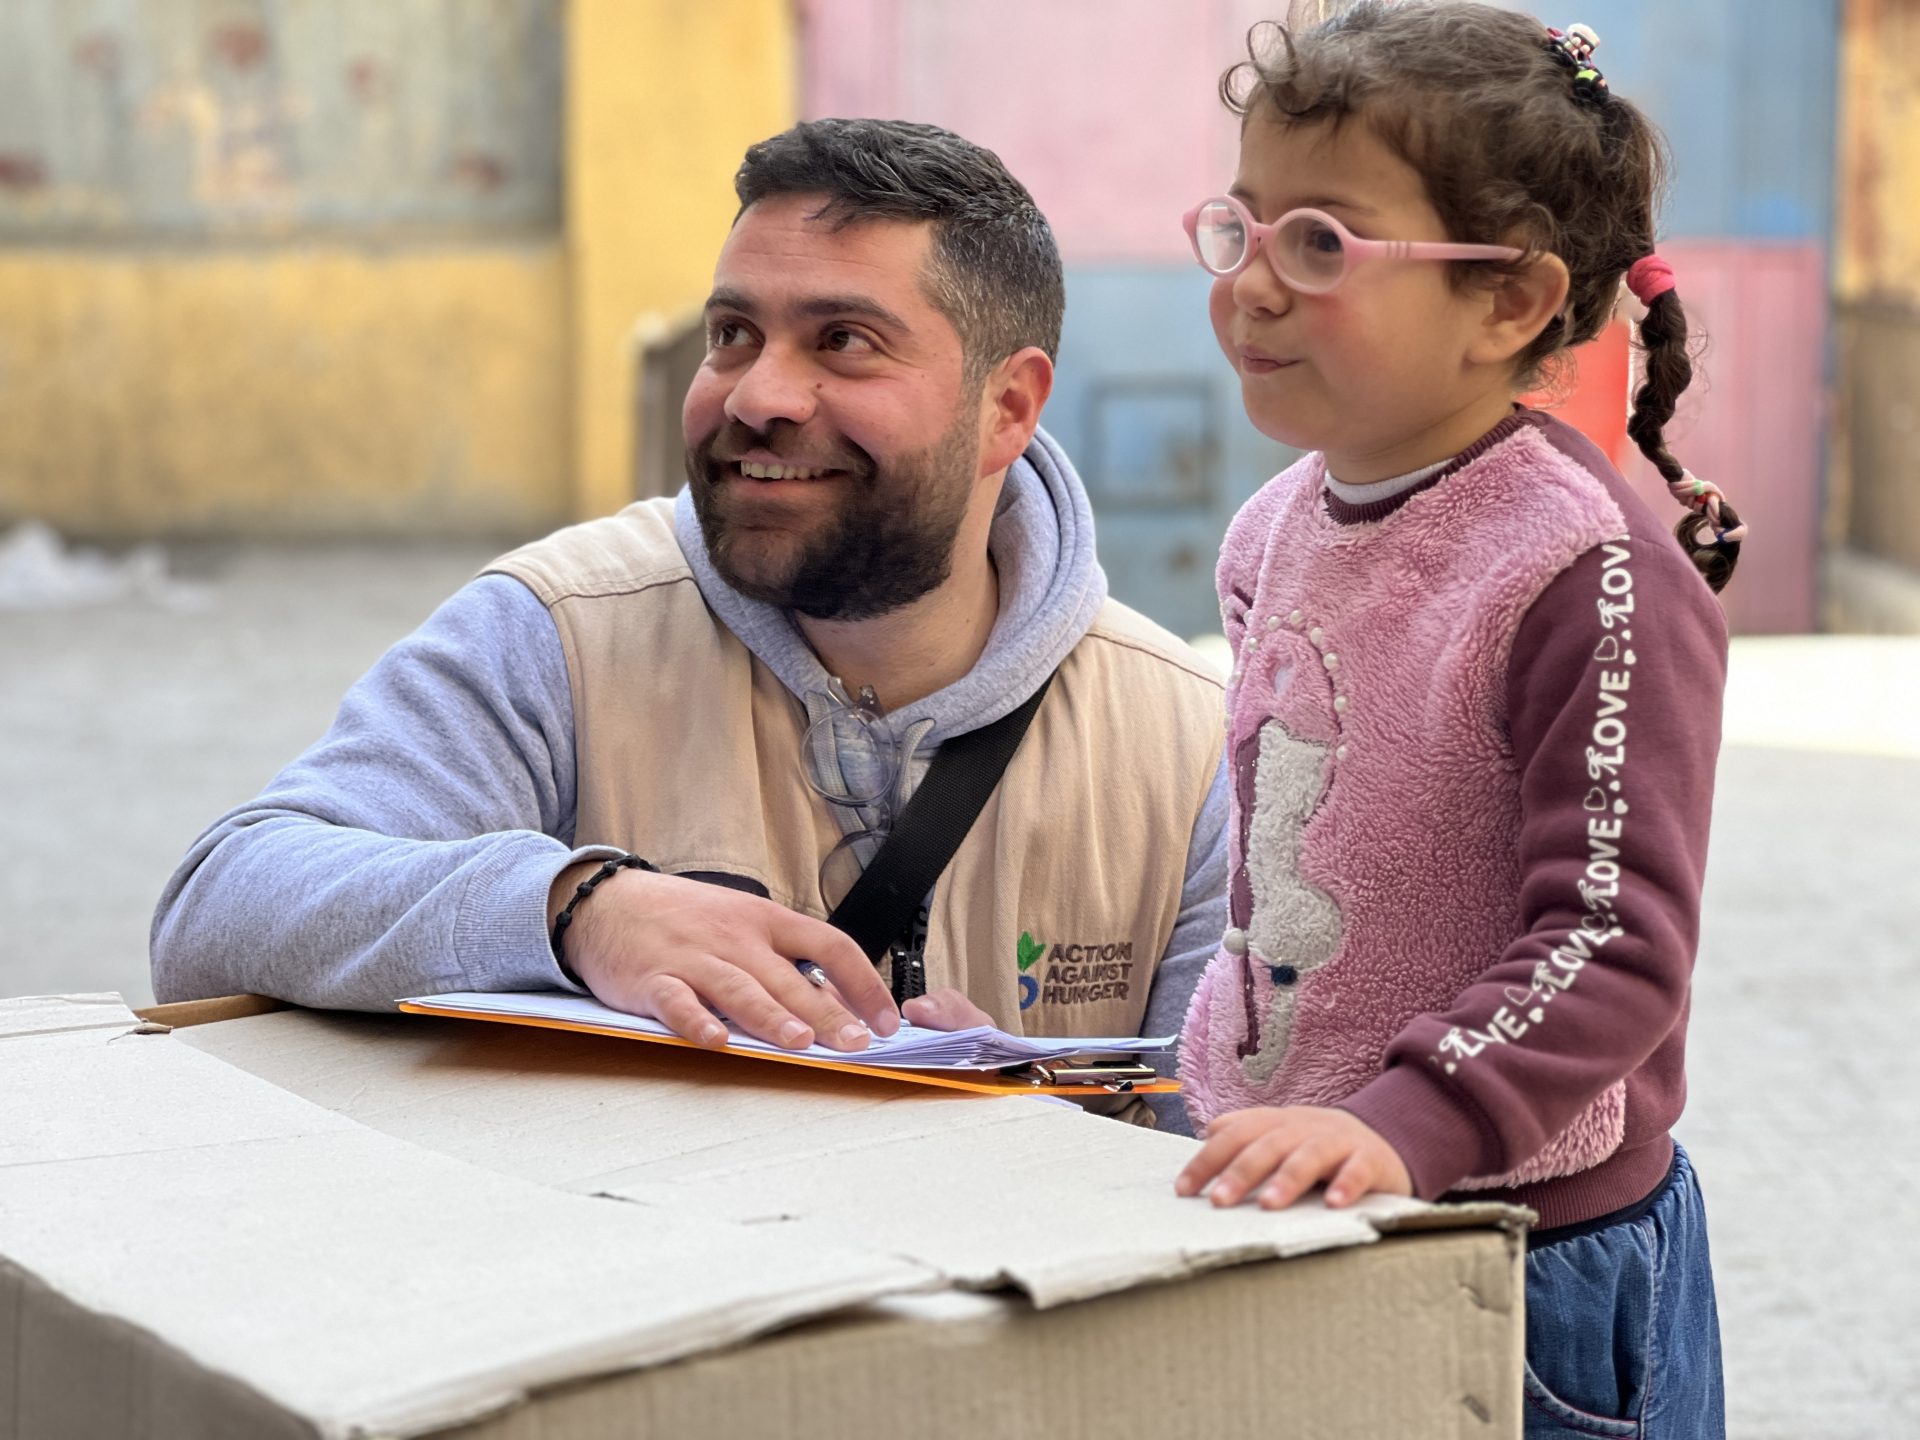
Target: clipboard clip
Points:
(1115, 1073)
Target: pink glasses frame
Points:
(1354, 250)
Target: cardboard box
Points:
(301, 1224)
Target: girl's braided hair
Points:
(1519, 143)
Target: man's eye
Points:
(843, 341)
(725, 334)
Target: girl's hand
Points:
(1286, 1152)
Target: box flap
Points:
(165, 1189)
(984, 1191)
(48, 1014)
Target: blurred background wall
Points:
(357, 268)
(1108, 111)
(1873, 515)
(298, 268)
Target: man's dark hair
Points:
(995, 271)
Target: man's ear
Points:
(1010, 404)
(1519, 309)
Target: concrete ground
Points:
(126, 727)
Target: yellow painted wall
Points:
(344, 389)
(1878, 253)
(305, 391)
(662, 100)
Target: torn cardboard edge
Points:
(32, 1015)
(1423, 1338)
(989, 1193)
(1516, 1220)
(354, 1360)
(421, 1291)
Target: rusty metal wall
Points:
(1880, 413)
(1876, 497)
(669, 351)
(189, 119)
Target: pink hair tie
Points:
(1649, 278)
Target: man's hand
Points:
(1286, 1152)
(659, 945)
(947, 1009)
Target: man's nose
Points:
(776, 386)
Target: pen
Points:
(815, 975)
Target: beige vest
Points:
(1063, 894)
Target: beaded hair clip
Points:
(1711, 501)
(1574, 49)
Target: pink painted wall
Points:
(1105, 109)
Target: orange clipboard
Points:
(978, 1082)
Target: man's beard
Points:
(887, 542)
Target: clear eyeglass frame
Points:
(852, 737)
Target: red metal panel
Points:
(1755, 417)
(1591, 396)
(1752, 421)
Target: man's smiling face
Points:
(832, 442)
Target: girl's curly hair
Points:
(1515, 148)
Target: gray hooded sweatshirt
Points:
(412, 849)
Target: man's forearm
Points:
(413, 848)
(341, 918)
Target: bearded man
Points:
(711, 712)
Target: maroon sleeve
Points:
(1613, 690)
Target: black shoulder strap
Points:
(885, 899)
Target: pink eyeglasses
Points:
(1309, 249)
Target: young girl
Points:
(1476, 697)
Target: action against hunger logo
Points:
(1030, 950)
(1075, 974)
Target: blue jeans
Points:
(1623, 1337)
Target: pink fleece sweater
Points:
(1473, 732)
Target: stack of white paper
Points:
(982, 1048)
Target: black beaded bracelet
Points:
(580, 892)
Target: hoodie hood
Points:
(1051, 588)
